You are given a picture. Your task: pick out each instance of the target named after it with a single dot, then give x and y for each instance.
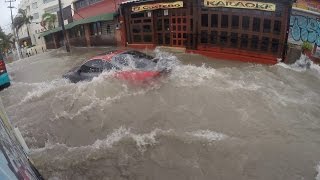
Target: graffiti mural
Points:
(303, 28)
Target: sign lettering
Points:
(240, 4)
(150, 7)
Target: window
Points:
(214, 37)
(92, 66)
(77, 31)
(95, 28)
(235, 22)
(108, 66)
(137, 38)
(166, 12)
(136, 28)
(264, 44)
(245, 22)
(224, 38)
(277, 27)
(204, 37)
(147, 28)
(234, 40)
(244, 41)
(52, 9)
(35, 16)
(34, 5)
(254, 42)
(167, 24)
(275, 45)
(108, 29)
(204, 20)
(147, 38)
(224, 21)
(214, 20)
(81, 4)
(159, 25)
(137, 15)
(267, 26)
(94, 1)
(256, 24)
(47, 1)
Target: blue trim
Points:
(4, 79)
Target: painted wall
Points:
(304, 27)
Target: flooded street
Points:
(208, 119)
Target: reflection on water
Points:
(208, 119)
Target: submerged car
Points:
(128, 65)
(4, 77)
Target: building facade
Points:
(36, 8)
(94, 24)
(246, 30)
(305, 25)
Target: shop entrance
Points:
(171, 27)
(179, 27)
(163, 30)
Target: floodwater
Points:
(208, 119)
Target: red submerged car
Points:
(128, 65)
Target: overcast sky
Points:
(5, 19)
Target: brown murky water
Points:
(222, 120)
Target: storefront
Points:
(229, 29)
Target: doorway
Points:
(163, 30)
(171, 27)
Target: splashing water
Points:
(262, 120)
(318, 172)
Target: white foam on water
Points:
(43, 88)
(190, 75)
(318, 171)
(208, 135)
(141, 140)
(302, 65)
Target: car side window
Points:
(121, 60)
(108, 66)
(95, 65)
(139, 55)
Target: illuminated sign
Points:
(150, 7)
(240, 4)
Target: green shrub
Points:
(306, 46)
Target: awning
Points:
(103, 17)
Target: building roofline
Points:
(306, 11)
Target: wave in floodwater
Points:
(303, 64)
(196, 123)
(121, 148)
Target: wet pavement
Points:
(209, 119)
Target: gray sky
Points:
(5, 19)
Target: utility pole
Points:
(63, 29)
(15, 34)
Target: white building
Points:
(36, 8)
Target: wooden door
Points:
(179, 28)
(163, 31)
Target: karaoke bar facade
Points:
(252, 31)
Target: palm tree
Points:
(5, 41)
(48, 20)
(22, 19)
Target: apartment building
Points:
(36, 8)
